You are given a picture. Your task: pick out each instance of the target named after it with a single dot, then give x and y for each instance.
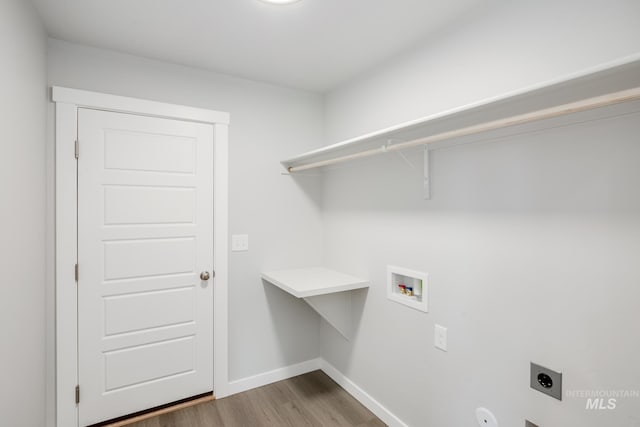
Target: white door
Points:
(145, 234)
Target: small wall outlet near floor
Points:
(440, 337)
(239, 242)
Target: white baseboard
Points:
(276, 375)
(362, 396)
(287, 372)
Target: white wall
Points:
(511, 45)
(531, 242)
(268, 329)
(22, 194)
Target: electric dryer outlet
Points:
(546, 381)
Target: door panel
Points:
(144, 205)
(126, 149)
(178, 356)
(121, 311)
(129, 259)
(145, 232)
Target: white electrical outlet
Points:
(440, 337)
(240, 242)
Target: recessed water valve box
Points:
(546, 381)
(407, 287)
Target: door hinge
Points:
(77, 394)
(75, 272)
(77, 149)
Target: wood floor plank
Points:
(297, 415)
(327, 401)
(152, 422)
(352, 410)
(139, 419)
(267, 402)
(373, 423)
(310, 400)
(208, 415)
(238, 411)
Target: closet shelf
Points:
(621, 78)
(326, 291)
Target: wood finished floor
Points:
(309, 400)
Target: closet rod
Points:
(546, 113)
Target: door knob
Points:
(205, 276)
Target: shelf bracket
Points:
(327, 291)
(335, 309)
(427, 174)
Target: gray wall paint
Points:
(531, 241)
(22, 190)
(268, 328)
(507, 46)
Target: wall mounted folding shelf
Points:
(326, 291)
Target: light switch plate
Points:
(440, 337)
(528, 423)
(239, 242)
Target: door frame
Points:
(67, 102)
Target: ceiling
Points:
(313, 44)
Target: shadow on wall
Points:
(282, 322)
(309, 184)
(570, 166)
(282, 318)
